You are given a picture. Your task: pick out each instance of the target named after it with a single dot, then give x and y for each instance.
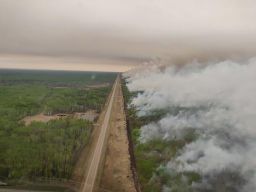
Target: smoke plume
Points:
(217, 102)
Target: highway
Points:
(99, 152)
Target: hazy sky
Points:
(127, 31)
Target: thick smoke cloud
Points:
(129, 30)
(216, 101)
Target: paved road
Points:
(98, 153)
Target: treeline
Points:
(42, 149)
(70, 100)
(55, 78)
(18, 101)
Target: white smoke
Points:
(218, 102)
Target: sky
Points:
(116, 35)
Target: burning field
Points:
(204, 135)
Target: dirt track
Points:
(82, 165)
(104, 164)
(99, 151)
(117, 175)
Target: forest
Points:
(46, 149)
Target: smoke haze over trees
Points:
(214, 101)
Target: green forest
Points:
(47, 150)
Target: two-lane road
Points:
(99, 152)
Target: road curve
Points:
(88, 185)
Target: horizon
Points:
(126, 33)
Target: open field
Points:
(47, 148)
(89, 115)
